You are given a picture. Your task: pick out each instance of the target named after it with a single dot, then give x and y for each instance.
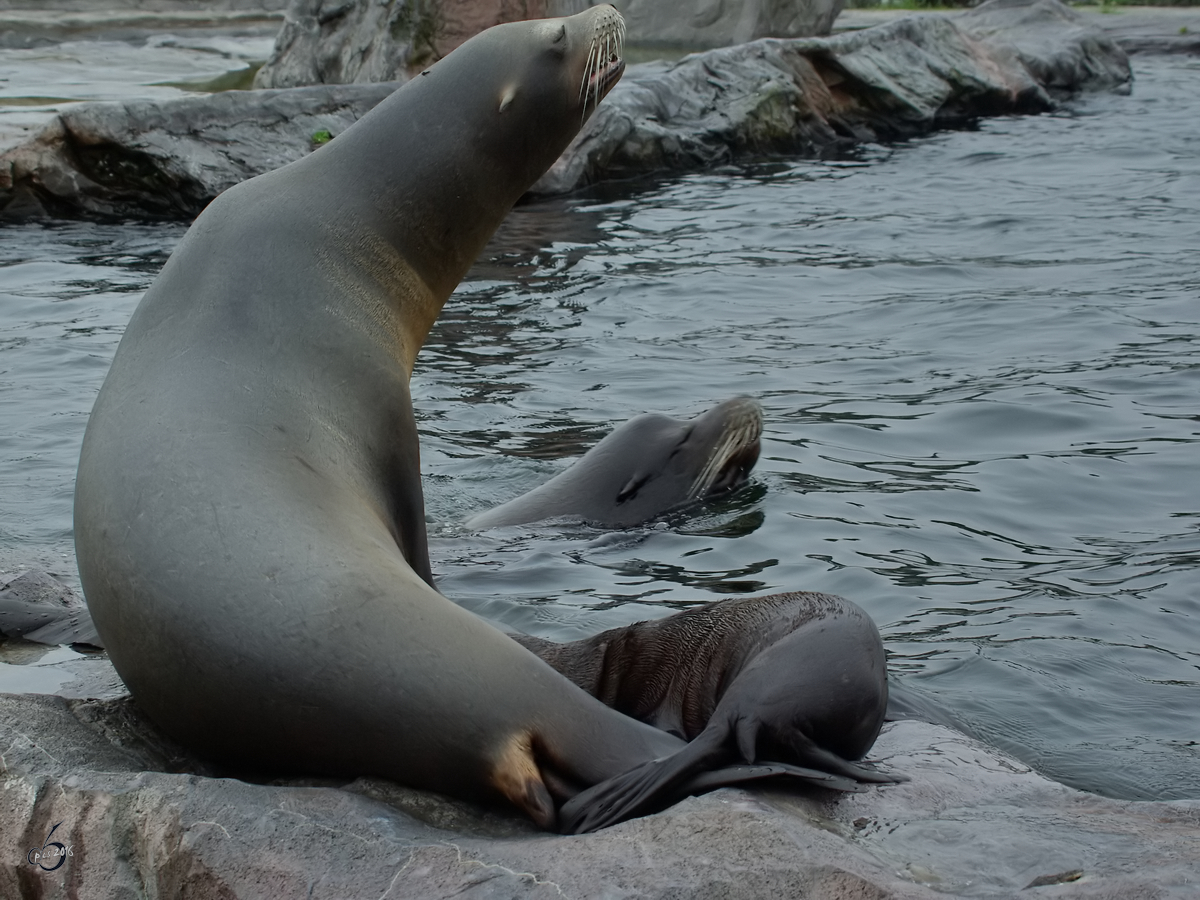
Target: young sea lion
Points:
(798, 679)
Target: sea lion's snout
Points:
(735, 446)
(605, 56)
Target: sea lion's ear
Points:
(506, 98)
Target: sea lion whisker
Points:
(711, 469)
(603, 62)
(737, 437)
(597, 65)
(716, 461)
(588, 71)
(583, 84)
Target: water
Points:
(976, 352)
(39, 80)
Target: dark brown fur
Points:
(795, 680)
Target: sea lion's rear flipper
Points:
(643, 789)
(807, 755)
(731, 775)
(708, 763)
(831, 764)
(656, 785)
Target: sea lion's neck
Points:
(453, 198)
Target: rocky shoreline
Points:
(808, 96)
(1136, 29)
(137, 817)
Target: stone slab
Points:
(138, 817)
(808, 96)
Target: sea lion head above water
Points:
(544, 79)
(651, 465)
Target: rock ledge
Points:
(804, 96)
(140, 818)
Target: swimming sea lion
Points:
(249, 521)
(650, 465)
(796, 678)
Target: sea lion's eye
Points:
(635, 484)
(556, 33)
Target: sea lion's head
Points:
(530, 86)
(681, 462)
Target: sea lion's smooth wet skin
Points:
(650, 465)
(249, 521)
(249, 518)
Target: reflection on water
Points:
(977, 359)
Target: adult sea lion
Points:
(249, 521)
(650, 465)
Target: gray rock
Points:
(350, 41)
(170, 159)
(1136, 29)
(902, 78)
(345, 43)
(696, 24)
(1156, 30)
(802, 96)
(138, 817)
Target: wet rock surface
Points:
(1136, 29)
(95, 801)
(899, 79)
(327, 42)
(717, 23)
(169, 159)
(803, 96)
(137, 816)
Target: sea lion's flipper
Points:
(731, 775)
(759, 742)
(536, 803)
(703, 765)
(832, 764)
(658, 784)
(641, 790)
